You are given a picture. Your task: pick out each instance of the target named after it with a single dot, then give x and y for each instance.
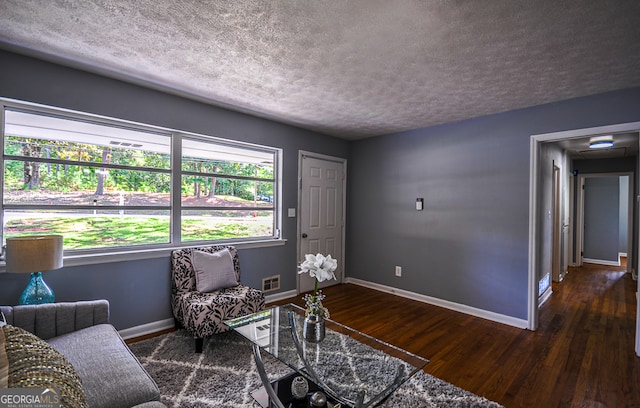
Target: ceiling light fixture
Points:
(601, 142)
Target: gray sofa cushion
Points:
(111, 375)
(54, 319)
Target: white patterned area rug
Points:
(224, 375)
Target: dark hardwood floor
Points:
(582, 355)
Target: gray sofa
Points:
(111, 375)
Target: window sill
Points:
(134, 255)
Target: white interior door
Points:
(321, 219)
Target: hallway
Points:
(590, 324)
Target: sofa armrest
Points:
(55, 319)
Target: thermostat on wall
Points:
(419, 204)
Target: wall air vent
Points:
(271, 283)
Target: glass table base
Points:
(282, 388)
(356, 369)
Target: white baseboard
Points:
(147, 328)
(601, 262)
(160, 325)
(280, 296)
(496, 317)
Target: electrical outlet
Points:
(398, 270)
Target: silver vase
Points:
(313, 328)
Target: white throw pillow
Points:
(213, 270)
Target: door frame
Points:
(318, 156)
(534, 208)
(557, 252)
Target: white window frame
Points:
(146, 251)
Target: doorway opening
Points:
(604, 228)
(541, 238)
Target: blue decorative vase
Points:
(37, 292)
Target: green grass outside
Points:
(99, 231)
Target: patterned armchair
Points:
(202, 313)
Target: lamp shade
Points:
(34, 253)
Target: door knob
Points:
(304, 235)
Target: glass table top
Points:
(348, 364)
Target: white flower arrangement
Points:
(321, 268)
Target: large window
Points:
(105, 184)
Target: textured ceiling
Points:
(352, 69)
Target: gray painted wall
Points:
(139, 291)
(601, 218)
(620, 165)
(551, 154)
(470, 244)
(594, 166)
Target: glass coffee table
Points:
(351, 368)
